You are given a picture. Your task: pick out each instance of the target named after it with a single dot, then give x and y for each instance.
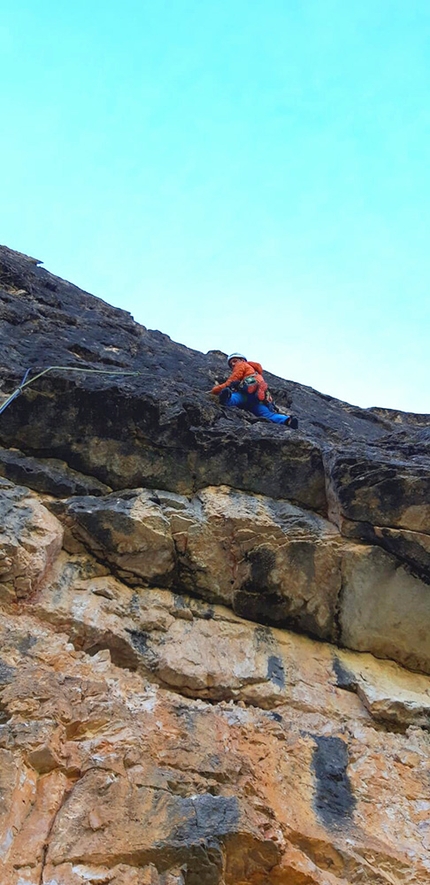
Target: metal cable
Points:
(25, 383)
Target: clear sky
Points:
(248, 175)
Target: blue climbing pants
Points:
(252, 404)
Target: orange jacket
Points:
(241, 370)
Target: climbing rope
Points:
(25, 383)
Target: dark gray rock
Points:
(160, 428)
(47, 475)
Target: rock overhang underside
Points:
(215, 653)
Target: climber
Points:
(246, 389)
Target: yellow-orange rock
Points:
(289, 778)
(148, 737)
(30, 540)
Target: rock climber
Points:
(246, 389)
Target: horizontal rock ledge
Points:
(271, 561)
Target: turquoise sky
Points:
(249, 176)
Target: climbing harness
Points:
(25, 383)
(249, 384)
(255, 388)
(255, 384)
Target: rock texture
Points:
(215, 652)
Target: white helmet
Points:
(237, 356)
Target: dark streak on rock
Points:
(333, 801)
(275, 671)
(263, 636)
(206, 820)
(275, 716)
(6, 673)
(262, 562)
(141, 642)
(344, 678)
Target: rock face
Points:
(215, 652)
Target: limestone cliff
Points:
(215, 653)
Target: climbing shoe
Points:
(292, 422)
